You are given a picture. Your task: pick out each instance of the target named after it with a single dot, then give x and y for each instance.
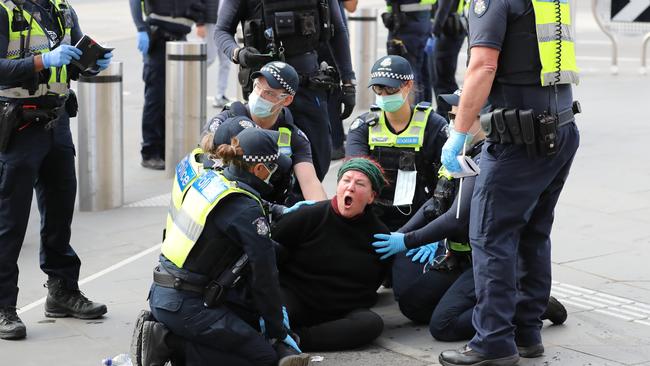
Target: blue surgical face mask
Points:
(259, 106)
(389, 103)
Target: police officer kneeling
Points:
(217, 277)
(522, 56)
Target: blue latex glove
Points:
(431, 45)
(60, 56)
(143, 42)
(297, 205)
(454, 145)
(291, 343)
(424, 254)
(389, 244)
(104, 62)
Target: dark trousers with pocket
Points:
(213, 336)
(510, 224)
(43, 160)
(153, 112)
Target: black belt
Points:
(165, 279)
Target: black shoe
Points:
(536, 350)
(136, 339)
(11, 327)
(62, 302)
(155, 351)
(288, 356)
(467, 357)
(153, 163)
(555, 312)
(338, 153)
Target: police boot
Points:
(11, 327)
(136, 339)
(468, 357)
(155, 351)
(555, 311)
(62, 302)
(288, 356)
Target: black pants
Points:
(213, 336)
(153, 112)
(443, 299)
(443, 63)
(309, 110)
(334, 112)
(43, 160)
(319, 331)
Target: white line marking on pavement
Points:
(95, 276)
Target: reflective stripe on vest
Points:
(39, 43)
(186, 223)
(557, 56)
(423, 5)
(412, 137)
(461, 7)
(187, 170)
(284, 141)
(182, 21)
(459, 247)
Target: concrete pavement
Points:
(600, 236)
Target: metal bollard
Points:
(185, 99)
(363, 47)
(101, 157)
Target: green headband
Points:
(366, 166)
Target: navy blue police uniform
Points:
(297, 44)
(449, 31)
(225, 327)
(515, 195)
(393, 71)
(160, 30)
(39, 156)
(409, 28)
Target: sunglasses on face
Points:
(388, 90)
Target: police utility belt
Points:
(213, 291)
(522, 127)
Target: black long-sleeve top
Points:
(232, 12)
(15, 72)
(330, 263)
(419, 231)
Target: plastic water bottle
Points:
(119, 360)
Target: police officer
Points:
(291, 31)
(165, 21)
(405, 140)
(275, 89)
(36, 152)
(449, 31)
(523, 60)
(409, 27)
(217, 273)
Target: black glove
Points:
(348, 99)
(196, 12)
(250, 57)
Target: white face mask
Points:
(259, 106)
(271, 171)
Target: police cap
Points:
(230, 128)
(259, 145)
(391, 71)
(279, 75)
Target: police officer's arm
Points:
(340, 43)
(357, 141)
(136, 14)
(12, 71)
(303, 168)
(230, 12)
(445, 225)
(442, 13)
(250, 228)
(487, 32)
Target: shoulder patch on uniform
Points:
(357, 122)
(215, 122)
(480, 7)
(261, 226)
(246, 124)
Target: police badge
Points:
(261, 226)
(480, 7)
